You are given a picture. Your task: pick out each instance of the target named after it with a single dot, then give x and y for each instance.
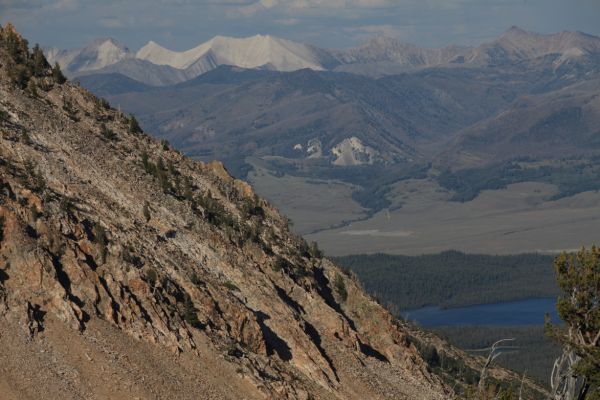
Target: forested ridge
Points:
(452, 278)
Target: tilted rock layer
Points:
(130, 271)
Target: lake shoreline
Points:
(507, 313)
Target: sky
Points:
(182, 24)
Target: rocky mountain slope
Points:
(543, 126)
(385, 56)
(130, 271)
(517, 44)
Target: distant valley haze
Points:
(418, 148)
(429, 125)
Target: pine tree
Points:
(578, 276)
(58, 75)
(39, 65)
(190, 314)
(340, 287)
(188, 189)
(101, 240)
(15, 45)
(134, 126)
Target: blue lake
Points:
(522, 312)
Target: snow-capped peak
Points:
(99, 54)
(155, 63)
(252, 52)
(160, 55)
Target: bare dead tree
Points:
(564, 383)
(522, 384)
(495, 352)
(577, 371)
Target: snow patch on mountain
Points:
(160, 55)
(314, 149)
(252, 52)
(62, 57)
(99, 54)
(351, 151)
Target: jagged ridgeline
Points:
(130, 271)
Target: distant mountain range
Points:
(524, 107)
(455, 106)
(156, 65)
(263, 96)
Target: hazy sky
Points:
(181, 24)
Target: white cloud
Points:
(63, 5)
(362, 33)
(248, 10)
(392, 31)
(269, 3)
(111, 22)
(38, 4)
(299, 5)
(287, 21)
